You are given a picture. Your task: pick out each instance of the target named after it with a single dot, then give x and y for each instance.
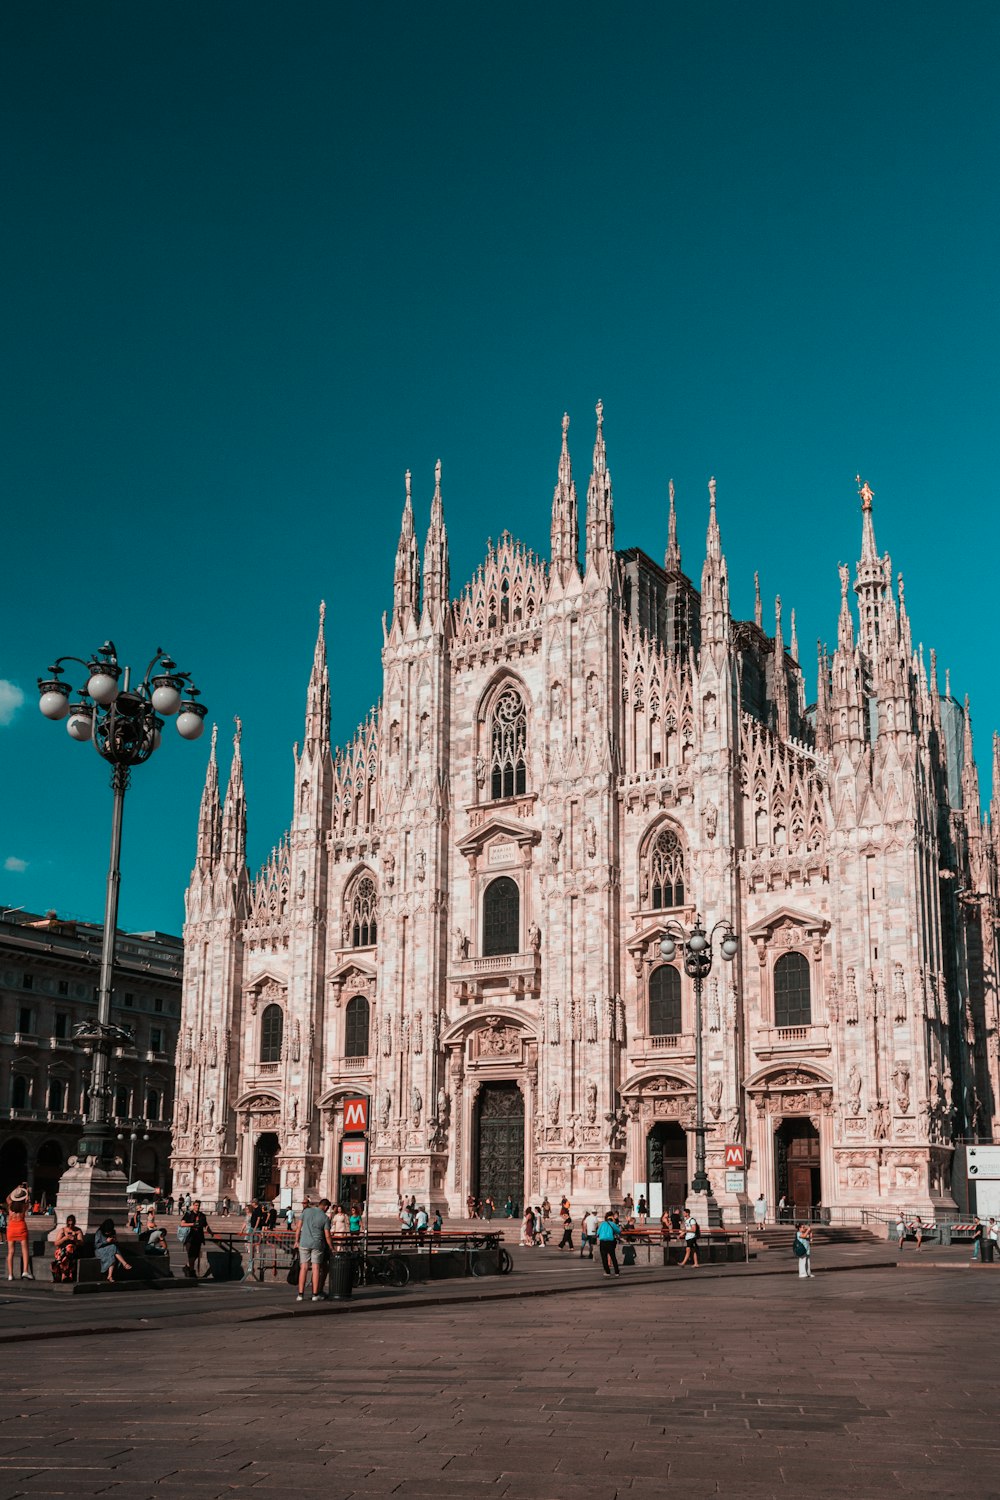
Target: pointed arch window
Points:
(19, 1092)
(501, 917)
(356, 1025)
(508, 746)
(664, 1001)
(792, 991)
(666, 871)
(272, 1030)
(362, 921)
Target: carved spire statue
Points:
(436, 572)
(210, 813)
(565, 542)
(600, 510)
(318, 694)
(672, 558)
(406, 579)
(234, 812)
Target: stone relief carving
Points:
(416, 1106)
(459, 945)
(591, 1103)
(534, 937)
(497, 1039)
(851, 999)
(854, 1089)
(715, 1096)
(592, 1019)
(553, 1103)
(901, 1086)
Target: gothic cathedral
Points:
(462, 924)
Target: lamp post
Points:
(133, 1137)
(696, 947)
(124, 725)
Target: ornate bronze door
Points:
(500, 1147)
(265, 1184)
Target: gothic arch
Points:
(662, 867)
(503, 738)
(361, 909)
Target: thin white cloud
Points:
(11, 699)
(15, 865)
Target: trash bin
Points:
(341, 1276)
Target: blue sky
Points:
(258, 260)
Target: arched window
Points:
(19, 1092)
(363, 915)
(508, 746)
(666, 870)
(792, 999)
(121, 1103)
(356, 1027)
(272, 1026)
(57, 1094)
(664, 1001)
(153, 1104)
(501, 917)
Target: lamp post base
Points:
(93, 1190)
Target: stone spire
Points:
(672, 558)
(793, 643)
(758, 608)
(600, 510)
(714, 581)
(406, 579)
(872, 583)
(780, 680)
(436, 575)
(234, 812)
(995, 801)
(565, 547)
(210, 813)
(822, 698)
(318, 694)
(970, 776)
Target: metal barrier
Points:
(267, 1254)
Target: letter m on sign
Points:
(735, 1156)
(355, 1114)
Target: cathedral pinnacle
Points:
(406, 577)
(210, 812)
(600, 509)
(234, 812)
(758, 608)
(672, 560)
(436, 573)
(565, 535)
(318, 693)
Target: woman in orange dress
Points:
(17, 1232)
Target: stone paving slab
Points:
(856, 1385)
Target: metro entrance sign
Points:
(735, 1157)
(353, 1157)
(355, 1116)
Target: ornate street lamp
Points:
(134, 1136)
(124, 724)
(696, 947)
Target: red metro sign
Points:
(355, 1115)
(735, 1157)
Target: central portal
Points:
(499, 1161)
(265, 1176)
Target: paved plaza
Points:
(863, 1382)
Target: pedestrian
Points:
(918, 1230)
(528, 1229)
(546, 1207)
(760, 1211)
(194, 1221)
(106, 1249)
(642, 1209)
(802, 1246)
(508, 1208)
(272, 1217)
(782, 1209)
(588, 1234)
(900, 1229)
(225, 1208)
(341, 1225)
(422, 1220)
(354, 1220)
(628, 1207)
(408, 1219)
(314, 1244)
(608, 1235)
(977, 1238)
(488, 1207)
(470, 1206)
(691, 1231)
(566, 1243)
(438, 1222)
(17, 1232)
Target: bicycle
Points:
(381, 1270)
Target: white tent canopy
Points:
(140, 1187)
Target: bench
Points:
(143, 1266)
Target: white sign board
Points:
(501, 854)
(736, 1182)
(983, 1162)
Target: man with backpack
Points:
(691, 1233)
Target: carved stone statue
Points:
(210, 1112)
(421, 864)
(185, 1114)
(553, 1100)
(554, 1022)
(590, 838)
(854, 1089)
(591, 1102)
(459, 945)
(416, 1105)
(418, 1033)
(901, 1086)
(711, 817)
(555, 839)
(714, 1012)
(851, 999)
(389, 869)
(480, 771)
(715, 1096)
(386, 1036)
(443, 1106)
(880, 1120)
(534, 937)
(592, 1019)
(384, 1108)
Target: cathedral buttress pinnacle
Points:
(714, 581)
(565, 542)
(234, 812)
(406, 579)
(318, 694)
(210, 813)
(672, 557)
(600, 510)
(436, 573)
(780, 680)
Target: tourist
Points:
(341, 1225)
(918, 1230)
(760, 1211)
(528, 1229)
(900, 1229)
(588, 1234)
(421, 1222)
(354, 1219)
(438, 1224)
(225, 1208)
(991, 1244)
(608, 1234)
(156, 1241)
(508, 1208)
(488, 1207)
(977, 1238)
(470, 1207)
(782, 1209)
(566, 1243)
(18, 1203)
(546, 1208)
(666, 1225)
(691, 1231)
(271, 1222)
(314, 1244)
(642, 1209)
(628, 1207)
(66, 1247)
(194, 1221)
(802, 1246)
(541, 1233)
(407, 1219)
(106, 1249)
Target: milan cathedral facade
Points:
(463, 922)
